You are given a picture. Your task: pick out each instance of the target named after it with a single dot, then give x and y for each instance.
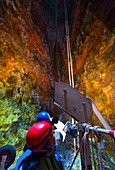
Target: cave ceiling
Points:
(33, 42)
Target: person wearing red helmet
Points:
(40, 154)
(39, 135)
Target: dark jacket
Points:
(38, 161)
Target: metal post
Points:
(3, 162)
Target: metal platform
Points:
(72, 101)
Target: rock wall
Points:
(93, 43)
(33, 51)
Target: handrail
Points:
(104, 131)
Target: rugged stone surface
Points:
(33, 51)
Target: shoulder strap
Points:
(22, 158)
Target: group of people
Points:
(40, 151)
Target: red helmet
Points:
(38, 135)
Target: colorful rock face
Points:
(33, 50)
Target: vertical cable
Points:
(70, 62)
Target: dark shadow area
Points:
(105, 12)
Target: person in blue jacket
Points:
(40, 151)
(45, 116)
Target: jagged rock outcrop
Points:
(33, 51)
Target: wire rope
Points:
(69, 56)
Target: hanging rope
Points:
(99, 157)
(84, 144)
(93, 143)
(98, 147)
(70, 62)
